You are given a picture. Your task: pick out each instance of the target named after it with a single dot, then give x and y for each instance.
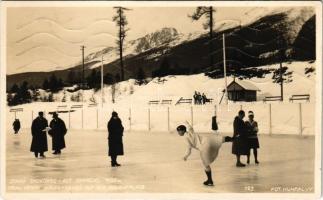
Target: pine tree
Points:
(108, 79)
(53, 83)
(71, 77)
(140, 79)
(24, 94)
(45, 84)
(50, 97)
(10, 99)
(121, 22)
(60, 84)
(286, 76)
(14, 88)
(208, 13)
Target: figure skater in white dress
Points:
(208, 146)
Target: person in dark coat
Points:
(239, 145)
(253, 143)
(204, 98)
(57, 132)
(16, 126)
(195, 97)
(39, 128)
(115, 130)
(214, 124)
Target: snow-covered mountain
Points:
(256, 43)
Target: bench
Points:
(300, 97)
(208, 100)
(182, 100)
(61, 111)
(76, 106)
(16, 110)
(63, 106)
(272, 98)
(153, 102)
(166, 102)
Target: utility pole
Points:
(211, 35)
(281, 82)
(102, 92)
(83, 84)
(225, 70)
(281, 69)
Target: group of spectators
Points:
(199, 99)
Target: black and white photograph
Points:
(219, 99)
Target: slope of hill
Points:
(253, 44)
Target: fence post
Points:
(82, 118)
(148, 119)
(69, 118)
(214, 110)
(129, 119)
(300, 120)
(97, 118)
(168, 125)
(270, 126)
(192, 122)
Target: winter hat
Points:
(114, 114)
(250, 113)
(55, 114)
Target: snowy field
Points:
(132, 104)
(153, 163)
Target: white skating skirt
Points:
(209, 149)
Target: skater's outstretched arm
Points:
(189, 127)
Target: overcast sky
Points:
(39, 39)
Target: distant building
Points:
(239, 90)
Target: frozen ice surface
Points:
(153, 163)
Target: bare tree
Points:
(208, 13)
(121, 22)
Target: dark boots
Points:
(255, 153)
(239, 164)
(209, 181)
(228, 139)
(114, 162)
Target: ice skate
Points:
(240, 164)
(115, 164)
(208, 183)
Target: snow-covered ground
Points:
(136, 114)
(153, 163)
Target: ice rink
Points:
(153, 163)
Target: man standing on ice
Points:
(239, 145)
(57, 132)
(39, 128)
(208, 146)
(115, 130)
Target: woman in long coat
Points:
(57, 132)
(239, 145)
(207, 146)
(115, 130)
(39, 140)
